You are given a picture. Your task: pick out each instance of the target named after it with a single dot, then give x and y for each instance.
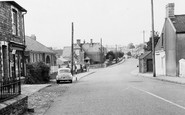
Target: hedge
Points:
(37, 73)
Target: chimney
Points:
(91, 41)
(33, 37)
(78, 41)
(170, 10)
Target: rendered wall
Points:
(170, 43)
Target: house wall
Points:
(6, 23)
(170, 43)
(160, 63)
(180, 49)
(142, 66)
(13, 42)
(38, 56)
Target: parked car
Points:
(64, 74)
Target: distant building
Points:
(78, 54)
(145, 62)
(93, 51)
(59, 53)
(36, 52)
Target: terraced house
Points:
(12, 39)
(12, 64)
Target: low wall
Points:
(15, 106)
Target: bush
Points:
(37, 73)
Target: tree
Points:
(110, 55)
(129, 54)
(149, 43)
(131, 46)
(141, 45)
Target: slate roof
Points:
(67, 52)
(33, 45)
(59, 51)
(146, 54)
(16, 4)
(179, 23)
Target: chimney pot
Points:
(170, 10)
(78, 41)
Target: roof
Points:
(179, 23)
(146, 54)
(59, 51)
(66, 52)
(33, 45)
(95, 47)
(16, 4)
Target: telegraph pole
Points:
(153, 45)
(116, 54)
(72, 50)
(101, 56)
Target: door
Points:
(149, 65)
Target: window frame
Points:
(15, 32)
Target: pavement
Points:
(27, 89)
(174, 79)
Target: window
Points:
(15, 22)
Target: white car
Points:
(64, 74)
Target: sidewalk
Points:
(179, 80)
(27, 89)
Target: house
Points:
(170, 47)
(12, 66)
(145, 62)
(12, 40)
(36, 52)
(78, 53)
(59, 53)
(93, 51)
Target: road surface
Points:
(114, 91)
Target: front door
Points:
(149, 65)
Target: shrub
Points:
(37, 73)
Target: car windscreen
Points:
(64, 71)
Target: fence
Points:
(9, 88)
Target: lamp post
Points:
(153, 45)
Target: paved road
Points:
(114, 91)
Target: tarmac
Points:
(172, 79)
(29, 89)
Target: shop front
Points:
(17, 63)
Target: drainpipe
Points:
(24, 72)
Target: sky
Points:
(117, 22)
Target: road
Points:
(114, 91)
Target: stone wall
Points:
(6, 24)
(15, 106)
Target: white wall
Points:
(160, 63)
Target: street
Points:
(115, 91)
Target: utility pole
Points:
(72, 50)
(101, 54)
(116, 54)
(153, 45)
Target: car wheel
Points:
(58, 81)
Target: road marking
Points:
(182, 107)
